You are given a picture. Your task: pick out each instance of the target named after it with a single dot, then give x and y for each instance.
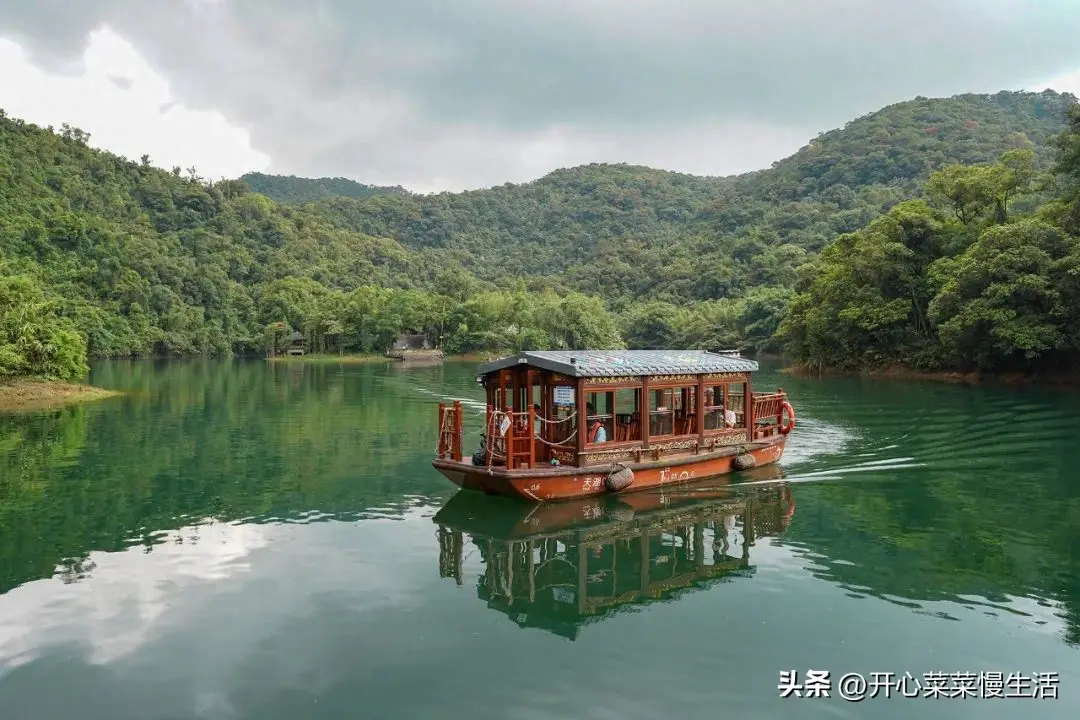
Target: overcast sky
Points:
(455, 94)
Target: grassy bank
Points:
(900, 372)
(20, 395)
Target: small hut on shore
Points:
(411, 345)
(297, 344)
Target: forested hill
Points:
(292, 189)
(112, 257)
(629, 232)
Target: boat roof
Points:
(624, 363)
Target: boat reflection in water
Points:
(560, 566)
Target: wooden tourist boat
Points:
(701, 419)
(558, 570)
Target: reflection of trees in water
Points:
(198, 439)
(71, 570)
(564, 579)
(29, 444)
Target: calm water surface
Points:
(238, 540)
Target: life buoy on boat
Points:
(790, 425)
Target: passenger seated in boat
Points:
(597, 433)
(729, 418)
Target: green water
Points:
(238, 540)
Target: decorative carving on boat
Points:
(612, 380)
(670, 378)
(725, 376)
(726, 439)
(674, 445)
(563, 456)
(610, 455)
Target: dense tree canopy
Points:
(871, 244)
(289, 188)
(34, 340)
(966, 285)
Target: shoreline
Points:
(953, 377)
(26, 394)
(323, 358)
(363, 359)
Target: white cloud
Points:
(126, 107)
(313, 120)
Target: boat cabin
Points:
(588, 407)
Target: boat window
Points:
(660, 413)
(671, 411)
(627, 415)
(720, 398)
(601, 409)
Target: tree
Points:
(1068, 167)
(34, 340)
(971, 189)
(1014, 175)
(998, 308)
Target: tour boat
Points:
(651, 418)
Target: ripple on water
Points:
(996, 434)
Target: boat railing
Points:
(768, 412)
(510, 438)
(450, 421)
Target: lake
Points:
(252, 540)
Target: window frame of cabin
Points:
(725, 387)
(562, 438)
(612, 388)
(673, 384)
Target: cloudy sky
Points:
(455, 94)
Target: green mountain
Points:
(292, 189)
(140, 261)
(627, 232)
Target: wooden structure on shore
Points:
(570, 424)
(561, 566)
(414, 346)
(297, 344)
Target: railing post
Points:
(699, 412)
(645, 417)
(748, 408)
(583, 420)
(508, 439)
(531, 436)
(455, 452)
(489, 433)
(442, 417)
(779, 408)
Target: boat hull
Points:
(566, 483)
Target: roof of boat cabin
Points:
(624, 363)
